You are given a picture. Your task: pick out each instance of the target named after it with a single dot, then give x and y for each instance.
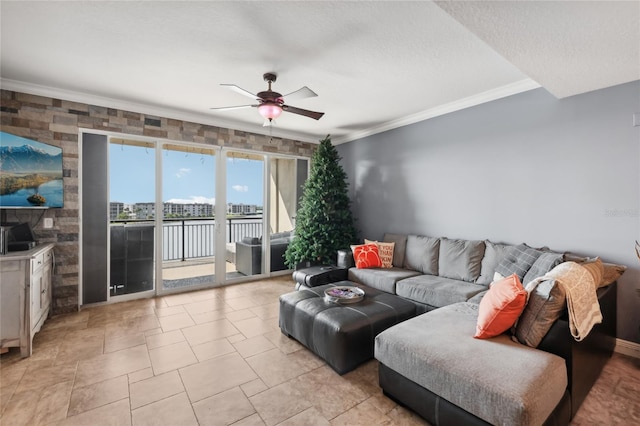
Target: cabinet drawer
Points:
(37, 262)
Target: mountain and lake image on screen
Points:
(30, 173)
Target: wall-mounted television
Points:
(30, 173)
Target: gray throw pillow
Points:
(460, 259)
(517, 260)
(543, 264)
(493, 254)
(398, 249)
(422, 254)
(546, 303)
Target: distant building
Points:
(198, 210)
(173, 208)
(115, 208)
(241, 208)
(148, 210)
(144, 210)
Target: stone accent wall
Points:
(58, 122)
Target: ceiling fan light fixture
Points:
(270, 110)
(271, 104)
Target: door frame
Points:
(219, 209)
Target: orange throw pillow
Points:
(501, 307)
(385, 251)
(366, 256)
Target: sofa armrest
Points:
(248, 258)
(277, 256)
(345, 259)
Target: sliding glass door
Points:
(131, 216)
(185, 216)
(188, 221)
(244, 222)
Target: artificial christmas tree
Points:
(324, 223)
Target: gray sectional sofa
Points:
(434, 365)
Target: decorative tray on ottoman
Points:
(344, 294)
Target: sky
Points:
(187, 177)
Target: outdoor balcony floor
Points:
(193, 268)
(191, 273)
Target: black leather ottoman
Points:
(318, 275)
(342, 335)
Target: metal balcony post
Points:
(183, 239)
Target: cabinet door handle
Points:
(44, 291)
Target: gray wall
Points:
(528, 168)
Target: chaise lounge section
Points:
(499, 382)
(433, 364)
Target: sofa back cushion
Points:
(460, 259)
(543, 264)
(399, 248)
(281, 236)
(252, 241)
(611, 271)
(517, 260)
(493, 254)
(422, 254)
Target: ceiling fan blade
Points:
(241, 91)
(230, 108)
(302, 93)
(305, 112)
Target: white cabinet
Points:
(25, 295)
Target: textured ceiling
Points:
(374, 65)
(568, 47)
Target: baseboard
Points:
(626, 347)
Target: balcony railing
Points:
(193, 238)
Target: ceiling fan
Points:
(271, 104)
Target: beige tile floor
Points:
(217, 357)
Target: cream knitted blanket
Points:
(582, 300)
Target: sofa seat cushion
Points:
(497, 380)
(478, 297)
(383, 279)
(437, 291)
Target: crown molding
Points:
(488, 96)
(90, 99)
(103, 101)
